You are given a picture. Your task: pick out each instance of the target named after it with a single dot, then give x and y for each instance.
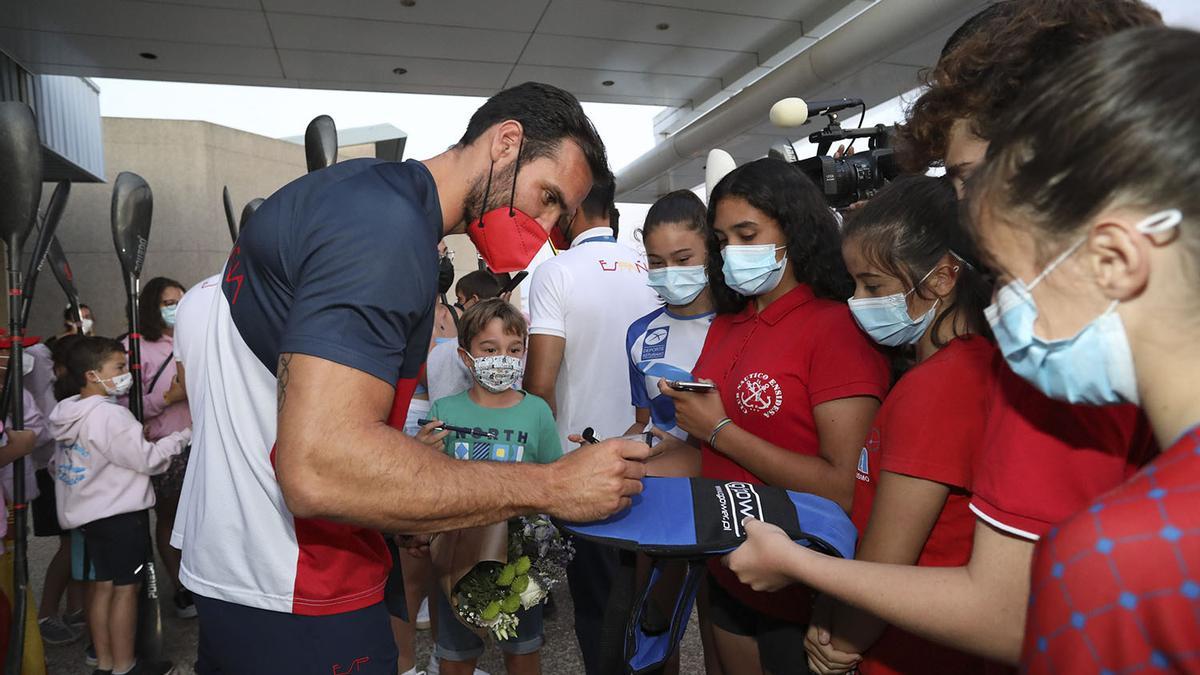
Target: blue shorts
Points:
(456, 642)
(240, 640)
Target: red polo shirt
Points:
(930, 427)
(1116, 589)
(1044, 460)
(771, 369)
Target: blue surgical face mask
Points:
(752, 269)
(168, 314)
(678, 285)
(886, 319)
(1096, 365)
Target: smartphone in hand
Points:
(702, 387)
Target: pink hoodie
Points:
(103, 463)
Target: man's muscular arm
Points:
(336, 458)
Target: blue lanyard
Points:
(608, 238)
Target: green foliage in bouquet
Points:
(491, 594)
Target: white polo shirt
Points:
(589, 295)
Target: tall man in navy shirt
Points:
(313, 344)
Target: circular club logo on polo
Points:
(759, 393)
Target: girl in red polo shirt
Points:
(915, 289)
(797, 384)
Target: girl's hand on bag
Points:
(760, 562)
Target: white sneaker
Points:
(434, 668)
(413, 671)
(423, 615)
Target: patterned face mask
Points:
(496, 373)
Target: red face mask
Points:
(558, 238)
(506, 237)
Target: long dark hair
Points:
(83, 354)
(911, 225)
(150, 320)
(782, 192)
(683, 207)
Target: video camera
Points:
(847, 179)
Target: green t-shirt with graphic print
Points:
(525, 432)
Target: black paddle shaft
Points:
(41, 247)
(21, 191)
(133, 284)
(132, 209)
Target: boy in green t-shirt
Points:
(509, 425)
(492, 345)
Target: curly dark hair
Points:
(989, 62)
(781, 191)
(1127, 140)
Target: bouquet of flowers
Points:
(492, 590)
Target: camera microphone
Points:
(795, 112)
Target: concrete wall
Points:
(186, 164)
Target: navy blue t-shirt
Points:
(341, 264)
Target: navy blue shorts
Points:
(240, 640)
(456, 642)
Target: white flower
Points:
(533, 594)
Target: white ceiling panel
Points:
(589, 83)
(42, 50)
(446, 90)
(124, 18)
(707, 51)
(787, 10)
(511, 15)
(580, 52)
(228, 4)
(362, 36)
(639, 23)
(367, 69)
(163, 75)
